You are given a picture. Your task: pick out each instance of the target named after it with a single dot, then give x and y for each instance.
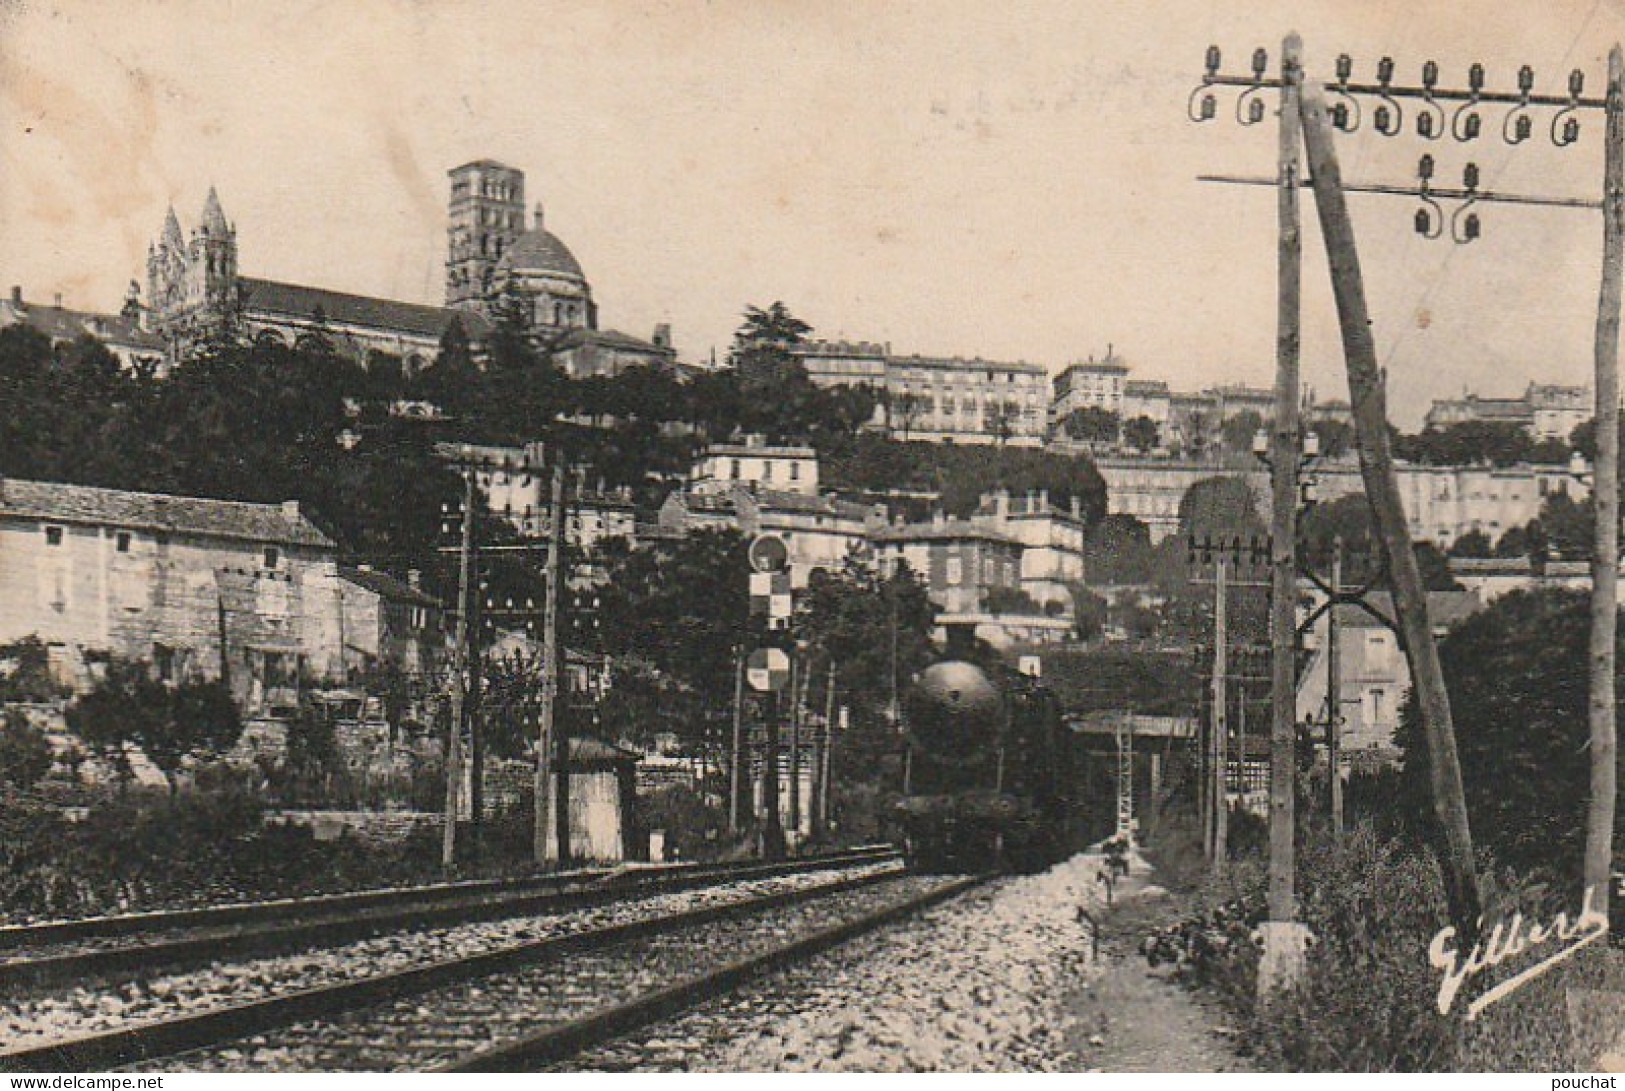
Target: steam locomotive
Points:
(987, 773)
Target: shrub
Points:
(25, 753)
(1369, 997)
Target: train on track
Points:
(988, 779)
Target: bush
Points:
(1369, 999)
(25, 752)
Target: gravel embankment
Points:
(424, 1031)
(974, 985)
(53, 1016)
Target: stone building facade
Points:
(198, 588)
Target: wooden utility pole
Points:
(826, 740)
(1369, 400)
(1599, 850)
(459, 679)
(799, 670)
(1218, 741)
(1334, 697)
(772, 836)
(553, 744)
(1282, 961)
(736, 752)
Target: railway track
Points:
(78, 951)
(522, 1006)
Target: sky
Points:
(1014, 180)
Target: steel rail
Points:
(165, 1038)
(17, 935)
(374, 917)
(558, 1043)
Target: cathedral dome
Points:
(539, 251)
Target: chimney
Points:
(56, 300)
(290, 509)
(363, 568)
(1077, 508)
(414, 579)
(16, 295)
(662, 338)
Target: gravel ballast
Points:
(974, 985)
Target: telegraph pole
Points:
(1281, 964)
(1334, 698)
(459, 679)
(736, 752)
(1218, 747)
(1599, 848)
(1368, 397)
(800, 673)
(821, 758)
(552, 744)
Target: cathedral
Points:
(195, 293)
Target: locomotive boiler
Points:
(987, 771)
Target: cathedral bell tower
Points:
(485, 214)
(192, 284)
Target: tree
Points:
(25, 672)
(761, 350)
(1475, 543)
(25, 752)
(1009, 600)
(877, 631)
(1516, 672)
(1142, 434)
(1090, 610)
(1335, 437)
(680, 607)
(774, 325)
(1118, 550)
(169, 724)
(1092, 424)
(1238, 431)
(1003, 419)
(904, 410)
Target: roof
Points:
(1114, 367)
(596, 752)
(759, 451)
(960, 363)
(386, 586)
(772, 500)
(1445, 609)
(540, 251)
(819, 347)
(952, 530)
(271, 523)
(64, 324)
(614, 339)
(274, 297)
(1143, 387)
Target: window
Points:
(956, 571)
(795, 471)
(123, 541)
(272, 556)
(1378, 705)
(53, 536)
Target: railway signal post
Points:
(767, 671)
